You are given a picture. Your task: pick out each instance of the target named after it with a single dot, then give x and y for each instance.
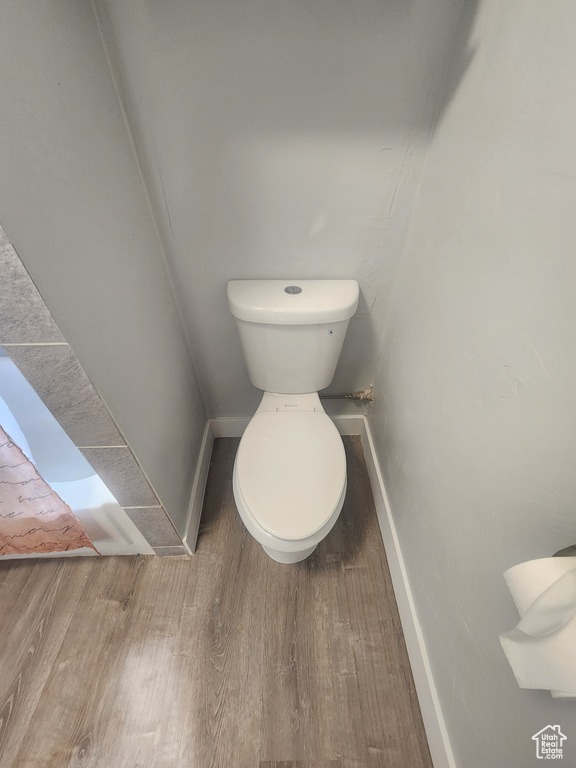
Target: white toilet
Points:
(290, 469)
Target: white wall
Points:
(476, 422)
(73, 205)
(279, 139)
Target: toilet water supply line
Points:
(366, 395)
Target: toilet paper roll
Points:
(542, 648)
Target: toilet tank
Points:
(292, 331)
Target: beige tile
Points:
(120, 472)
(57, 377)
(24, 317)
(155, 525)
(170, 551)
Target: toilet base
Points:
(289, 557)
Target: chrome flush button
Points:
(293, 289)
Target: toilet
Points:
(289, 476)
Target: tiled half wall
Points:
(32, 339)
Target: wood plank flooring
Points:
(224, 660)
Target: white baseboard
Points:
(229, 427)
(198, 489)
(349, 424)
(438, 740)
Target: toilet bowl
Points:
(290, 470)
(289, 476)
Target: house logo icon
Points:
(549, 743)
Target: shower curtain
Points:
(33, 518)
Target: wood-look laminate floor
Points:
(225, 660)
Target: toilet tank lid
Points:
(293, 302)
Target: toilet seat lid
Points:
(291, 469)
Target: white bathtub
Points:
(32, 427)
